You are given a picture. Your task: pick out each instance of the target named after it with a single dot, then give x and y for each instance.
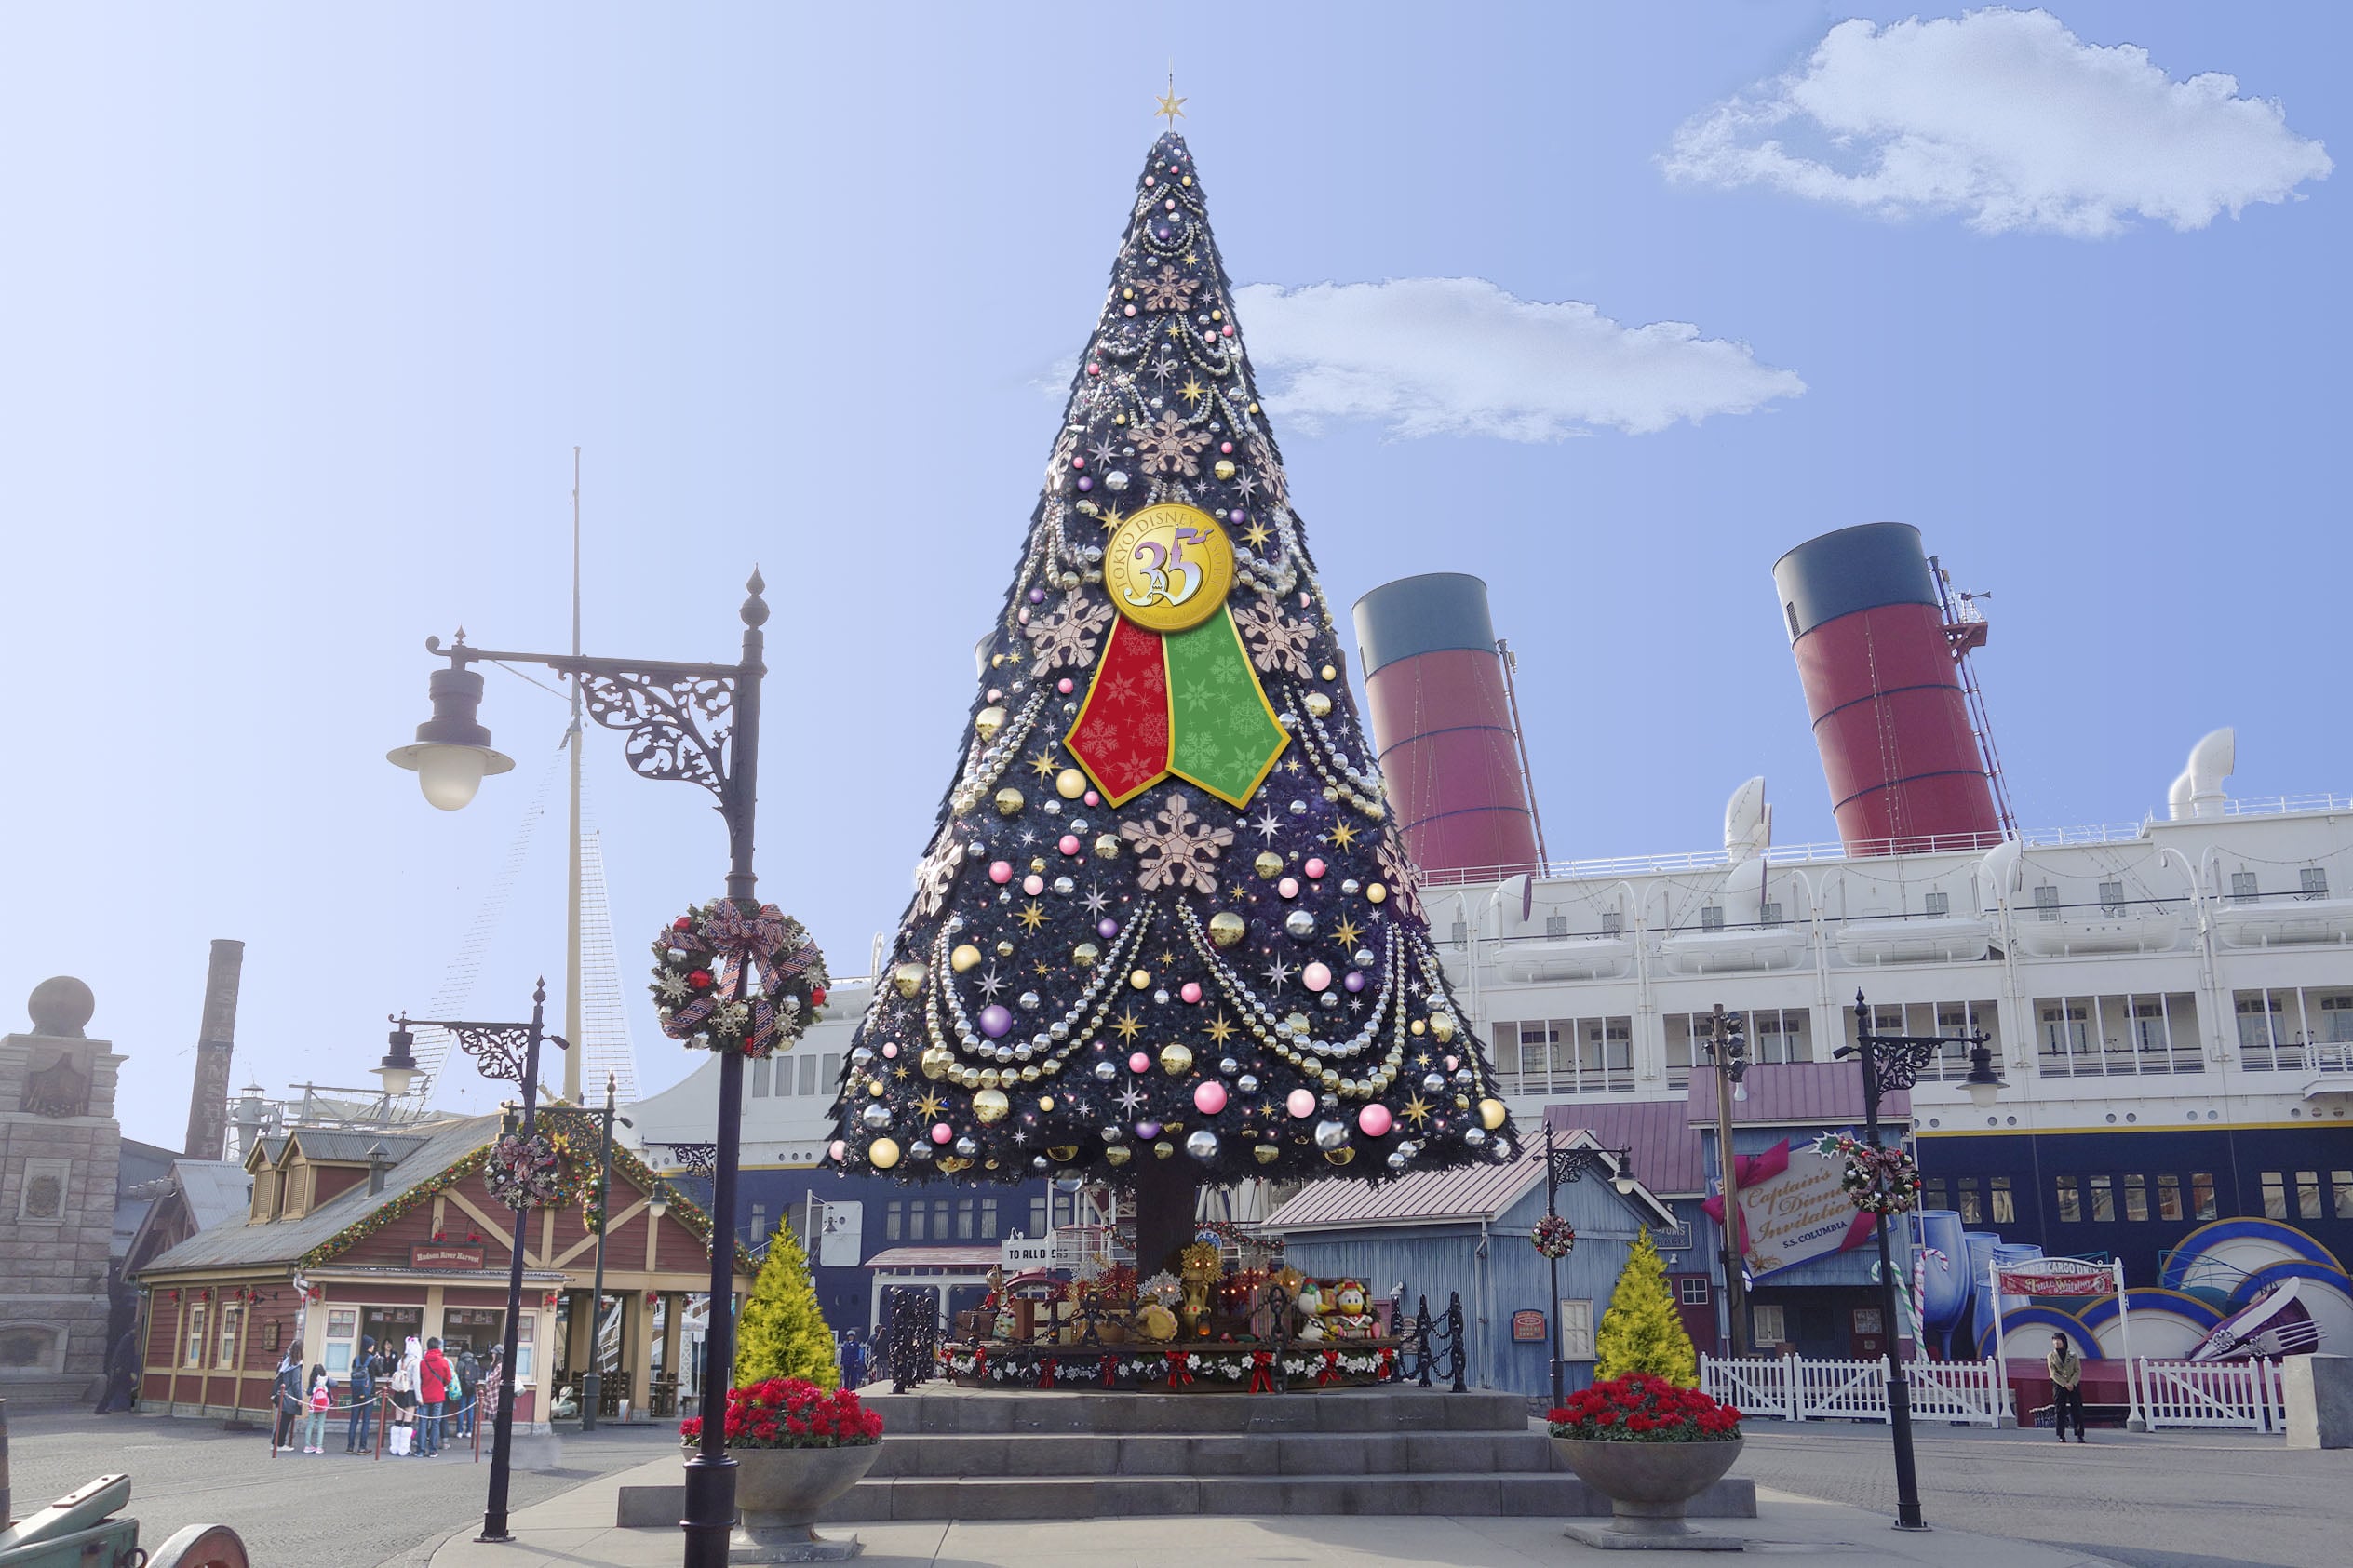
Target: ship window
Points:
(2274, 1196)
(1770, 913)
(1933, 1194)
(1459, 933)
(808, 1084)
(2102, 1201)
(2242, 888)
(2308, 1194)
(2168, 1198)
(2047, 903)
(2070, 1201)
(2112, 898)
(2136, 1199)
(1557, 925)
(964, 1219)
(2201, 1195)
(2341, 1193)
(2313, 881)
(1790, 609)
(1712, 917)
(2005, 1204)
(762, 1066)
(759, 1223)
(1613, 922)
(989, 1219)
(1937, 903)
(893, 1217)
(1972, 1209)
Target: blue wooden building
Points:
(1470, 1232)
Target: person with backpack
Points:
(434, 1376)
(469, 1394)
(285, 1398)
(359, 1436)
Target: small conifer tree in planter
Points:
(798, 1440)
(1642, 1332)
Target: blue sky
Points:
(307, 307)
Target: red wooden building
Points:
(354, 1233)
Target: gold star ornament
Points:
(1171, 108)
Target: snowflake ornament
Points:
(1181, 850)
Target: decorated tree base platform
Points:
(1297, 1368)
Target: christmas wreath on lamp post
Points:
(1553, 1236)
(1880, 1180)
(737, 977)
(525, 1172)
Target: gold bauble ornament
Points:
(1225, 928)
(1070, 784)
(1224, 469)
(882, 1152)
(966, 956)
(1009, 802)
(1107, 846)
(1064, 1152)
(874, 1089)
(988, 1078)
(1139, 978)
(1046, 1102)
(988, 721)
(1330, 674)
(1318, 703)
(1266, 1154)
(1269, 865)
(1004, 947)
(1493, 1113)
(1374, 892)
(1037, 863)
(1118, 1154)
(1084, 955)
(936, 1061)
(909, 977)
(1163, 1148)
(1029, 1074)
(1442, 1026)
(1419, 1026)
(992, 1106)
(1176, 1060)
(1339, 1156)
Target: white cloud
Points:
(1459, 356)
(2005, 117)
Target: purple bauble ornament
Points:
(1148, 1131)
(1355, 981)
(995, 1021)
(1107, 927)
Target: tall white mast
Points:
(571, 739)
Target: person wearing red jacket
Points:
(434, 1376)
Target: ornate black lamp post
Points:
(698, 723)
(1894, 1062)
(1569, 1163)
(510, 1052)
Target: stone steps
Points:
(1006, 1454)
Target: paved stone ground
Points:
(2194, 1499)
(300, 1511)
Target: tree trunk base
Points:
(1167, 1198)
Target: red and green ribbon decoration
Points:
(1261, 1372)
(1184, 702)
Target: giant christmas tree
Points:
(1165, 933)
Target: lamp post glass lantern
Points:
(690, 723)
(510, 1053)
(1895, 1061)
(1564, 1164)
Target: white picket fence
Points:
(1811, 1388)
(2240, 1394)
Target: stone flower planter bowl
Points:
(779, 1493)
(1649, 1484)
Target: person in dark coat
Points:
(287, 1393)
(359, 1436)
(469, 1391)
(122, 1375)
(2067, 1386)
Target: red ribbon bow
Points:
(1180, 1367)
(1045, 1373)
(1107, 1371)
(980, 1360)
(1261, 1372)
(1331, 1365)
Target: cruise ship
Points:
(2169, 1000)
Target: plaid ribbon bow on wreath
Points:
(745, 978)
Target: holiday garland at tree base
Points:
(1166, 931)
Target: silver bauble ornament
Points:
(1201, 1144)
(1330, 1135)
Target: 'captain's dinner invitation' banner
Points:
(1793, 1207)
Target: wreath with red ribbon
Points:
(737, 976)
(1553, 1236)
(1879, 1181)
(526, 1172)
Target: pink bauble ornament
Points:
(941, 1132)
(1070, 845)
(1209, 1098)
(1288, 887)
(836, 1149)
(1454, 1062)
(1091, 798)
(1373, 1119)
(1033, 884)
(1000, 872)
(1139, 1062)
(1314, 869)
(891, 1049)
(1192, 991)
(1065, 686)
(1316, 977)
(1301, 1103)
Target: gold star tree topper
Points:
(1172, 108)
